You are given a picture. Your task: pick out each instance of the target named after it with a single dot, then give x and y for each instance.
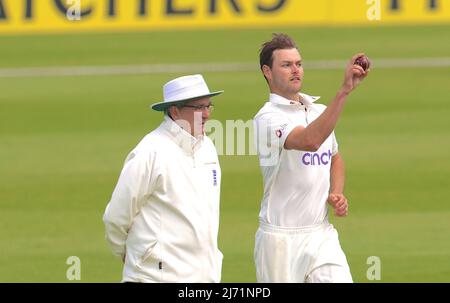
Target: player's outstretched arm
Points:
(312, 137)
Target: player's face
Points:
(286, 75)
(193, 116)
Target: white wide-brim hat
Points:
(184, 89)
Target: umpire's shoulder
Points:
(145, 149)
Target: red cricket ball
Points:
(363, 61)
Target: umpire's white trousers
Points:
(309, 254)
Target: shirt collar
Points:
(305, 99)
(181, 137)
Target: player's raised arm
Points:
(310, 138)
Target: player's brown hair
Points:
(279, 41)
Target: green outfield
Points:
(64, 140)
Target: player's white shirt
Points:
(296, 183)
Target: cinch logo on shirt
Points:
(214, 177)
(317, 158)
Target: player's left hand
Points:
(339, 203)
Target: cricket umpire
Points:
(303, 171)
(163, 216)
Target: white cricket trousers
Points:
(309, 254)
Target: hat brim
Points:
(161, 106)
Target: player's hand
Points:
(354, 74)
(339, 203)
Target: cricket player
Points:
(163, 216)
(302, 171)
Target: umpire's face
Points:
(193, 115)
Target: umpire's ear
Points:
(173, 112)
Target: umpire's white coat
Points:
(164, 211)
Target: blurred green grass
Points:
(64, 139)
(215, 45)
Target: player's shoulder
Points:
(264, 109)
(267, 111)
